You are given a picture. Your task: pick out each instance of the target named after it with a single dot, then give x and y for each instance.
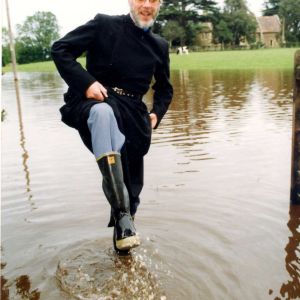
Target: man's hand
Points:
(153, 119)
(96, 91)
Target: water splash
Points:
(89, 274)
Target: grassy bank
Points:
(220, 60)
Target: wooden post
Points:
(11, 43)
(295, 175)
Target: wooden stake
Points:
(295, 169)
(11, 43)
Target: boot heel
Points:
(121, 252)
(128, 243)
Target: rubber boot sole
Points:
(128, 243)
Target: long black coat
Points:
(118, 54)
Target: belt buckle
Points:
(118, 91)
(122, 92)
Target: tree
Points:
(240, 21)
(271, 7)
(172, 31)
(223, 33)
(289, 11)
(36, 36)
(187, 14)
(5, 47)
(235, 5)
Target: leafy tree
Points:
(173, 31)
(289, 11)
(35, 37)
(223, 33)
(5, 47)
(187, 14)
(235, 5)
(271, 7)
(240, 21)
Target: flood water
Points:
(214, 220)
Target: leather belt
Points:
(122, 92)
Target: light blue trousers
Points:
(105, 133)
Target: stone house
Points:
(205, 36)
(269, 31)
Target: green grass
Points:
(46, 66)
(235, 60)
(214, 60)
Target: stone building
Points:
(205, 36)
(269, 31)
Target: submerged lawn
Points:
(213, 60)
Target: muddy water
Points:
(215, 220)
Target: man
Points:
(104, 102)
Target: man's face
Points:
(144, 12)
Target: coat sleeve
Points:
(66, 50)
(163, 90)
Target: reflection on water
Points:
(20, 289)
(291, 288)
(214, 206)
(4, 289)
(21, 286)
(25, 155)
(210, 107)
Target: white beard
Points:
(139, 23)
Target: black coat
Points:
(118, 54)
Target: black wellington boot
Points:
(125, 236)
